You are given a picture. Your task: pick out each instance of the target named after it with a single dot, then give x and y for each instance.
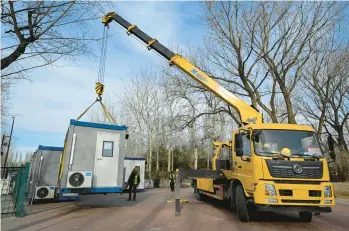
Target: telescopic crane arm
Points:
(247, 113)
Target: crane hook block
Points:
(99, 88)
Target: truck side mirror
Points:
(255, 135)
(238, 145)
(126, 137)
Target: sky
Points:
(44, 106)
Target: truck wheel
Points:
(241, 205)
(199, 196)
(306, 216)
(252, 212)
(233, 199)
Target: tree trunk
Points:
(5, 62)
(322, 119)
(208, 159)
(196, 158)
(150, 154)
(341, 140)
(290, 115)
(172, 161)
(157, 159)
(169, 160)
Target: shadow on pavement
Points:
(110, 200)
(260, 216)
(40, 221)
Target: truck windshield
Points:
(286, 142)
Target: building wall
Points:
(85, 151)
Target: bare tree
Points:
(38, 33)
(261, 48)
(231, 55)
(324, 100)
(171, 111)
(286, 37)
(27, 157)
(145, 103)
(45, 29)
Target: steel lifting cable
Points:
(100, 79)
(101, 71)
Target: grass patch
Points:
(341, 189)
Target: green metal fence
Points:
(13, 189)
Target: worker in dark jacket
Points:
(172, 181)
(133, 183)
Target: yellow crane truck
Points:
(266, 166)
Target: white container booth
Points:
(43, 173)
(139, 164)
(93, 159)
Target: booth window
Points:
(107, 149)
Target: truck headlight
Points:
(327, 191)
(269, 190)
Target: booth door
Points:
(107, 156)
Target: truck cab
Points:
(273, 167)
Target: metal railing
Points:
(13, 187)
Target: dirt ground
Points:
(152, 212)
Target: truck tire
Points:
(241, 204)
(305, 216)
(199, 196)
(233, 198)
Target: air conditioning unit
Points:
(44, 192)
(79, 179)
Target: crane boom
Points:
(247, 113)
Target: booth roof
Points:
(97, 125)
(50, 148)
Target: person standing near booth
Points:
(172, 181)
(133, 183)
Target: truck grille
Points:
(285, 192)
(314, 193)
(295, 169)
(301, 201)
(297, 182)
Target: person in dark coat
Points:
(172, 181)
(133, 183)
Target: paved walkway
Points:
(151, 212)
